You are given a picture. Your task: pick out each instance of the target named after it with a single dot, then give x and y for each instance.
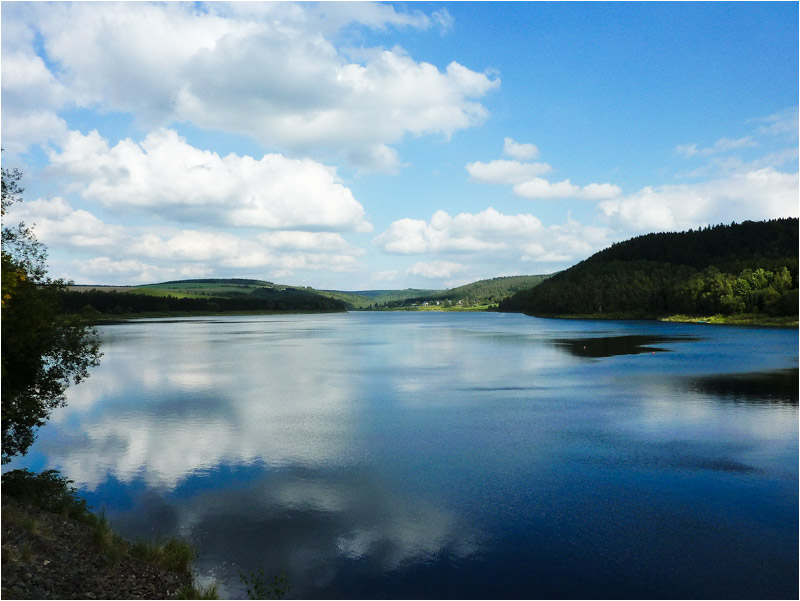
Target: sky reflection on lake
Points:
(447, 455)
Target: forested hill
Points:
(749, 267)
(720, 245)
(198, 296)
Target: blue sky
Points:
(389, 145)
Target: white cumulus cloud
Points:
(524, 176)
(55, 222)
(519, 151)
(502, 171)
(538, 188)
(270, 71)
(165, 175)
(495, 237)
(436, 269)
(102, 270)
(466, 232)
(115, 254)
(756, 195)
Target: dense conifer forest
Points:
(749, 267)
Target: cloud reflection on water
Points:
(309, 524)
(207, 408)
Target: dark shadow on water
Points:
(771, 387)
(612, 346)
(719, 465)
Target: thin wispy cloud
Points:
(720, 146)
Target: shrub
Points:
(49, 491)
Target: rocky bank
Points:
(48, 556)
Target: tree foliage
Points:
(44, 349)
(727, 269)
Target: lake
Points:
(447, 455)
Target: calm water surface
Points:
(447, 455)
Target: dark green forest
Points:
(260, 299)
(750, 268)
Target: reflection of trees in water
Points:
(611, 346)
(778, 387)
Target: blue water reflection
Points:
(448, 455)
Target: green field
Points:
(222, 288)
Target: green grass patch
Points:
(173, 554)
(21, 554)
(742, 319)
(194, 289)
(199, 592)
(111, 546)
(21, 519)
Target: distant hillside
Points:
(237, 294)
(727, 269)
(487, 292)
(384, 295)
(364, 299)
(200, 296)
(482, 292)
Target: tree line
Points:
(261, 299)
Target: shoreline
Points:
(752, 320)
(748, 320)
